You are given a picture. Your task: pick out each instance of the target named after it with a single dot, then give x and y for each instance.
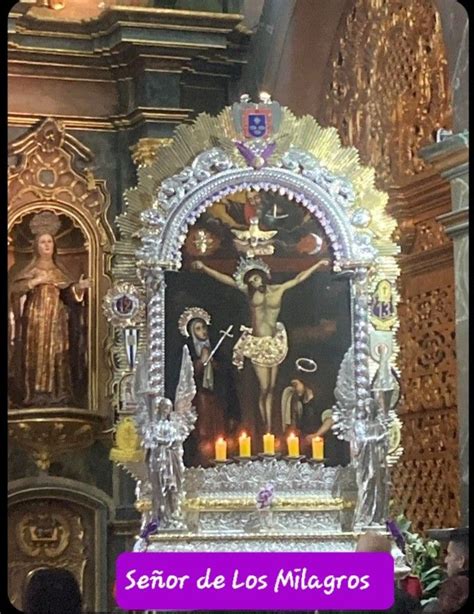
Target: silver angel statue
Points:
(367, 429)
(164, 429)
(370, 448)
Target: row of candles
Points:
(293, 444)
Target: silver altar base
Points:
(308, 499)
(261, 542)
(311, 510)
(237, 521)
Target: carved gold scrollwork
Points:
(46, 437)
(388, 91)
(50, 174)
(144, 152)
(388, 95)
(426, 479)
(44, 533)
(427, 356)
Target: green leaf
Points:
(432, 550)
(431, 571)
(432, 585)
(403, 523)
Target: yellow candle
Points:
(293, 445)
(269, 444)
(221, 449)
(318, 448)
(244, 445)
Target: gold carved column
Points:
(388, 96)
(426, 479)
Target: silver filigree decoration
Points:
(262, 543)
(213, 175)
(338, 188)
(345, 395)
(163, 430)
(361, 218)
(206, 164)
(238, 480)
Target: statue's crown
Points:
(45, 222)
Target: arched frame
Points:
(49, 173)
(212, 159)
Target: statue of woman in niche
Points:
(47, 341)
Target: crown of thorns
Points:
(250, 264)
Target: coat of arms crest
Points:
(257, 120)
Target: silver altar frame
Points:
(352, 214)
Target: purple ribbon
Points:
(149, 529)
(265, 497)
(397, 535)
(250, 155)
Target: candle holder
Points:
(294, 459)
(244, 459)
(265, 456)
(227, 461)
(316, 461)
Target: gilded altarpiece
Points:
(388, 95)
(44, 534)
(59, 250)
(57, 526)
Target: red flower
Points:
(412, 586)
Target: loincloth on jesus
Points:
(267, 351)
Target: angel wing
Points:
(345, 389)
(186, 389)
(344, 392)
(254, 233)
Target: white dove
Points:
(253, 237)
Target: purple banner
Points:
(255, 581)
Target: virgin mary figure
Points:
(47, 335)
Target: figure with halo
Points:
(265, 343)
(42, 295)
(302, 412)
(211, 383)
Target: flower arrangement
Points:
(421, 555)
